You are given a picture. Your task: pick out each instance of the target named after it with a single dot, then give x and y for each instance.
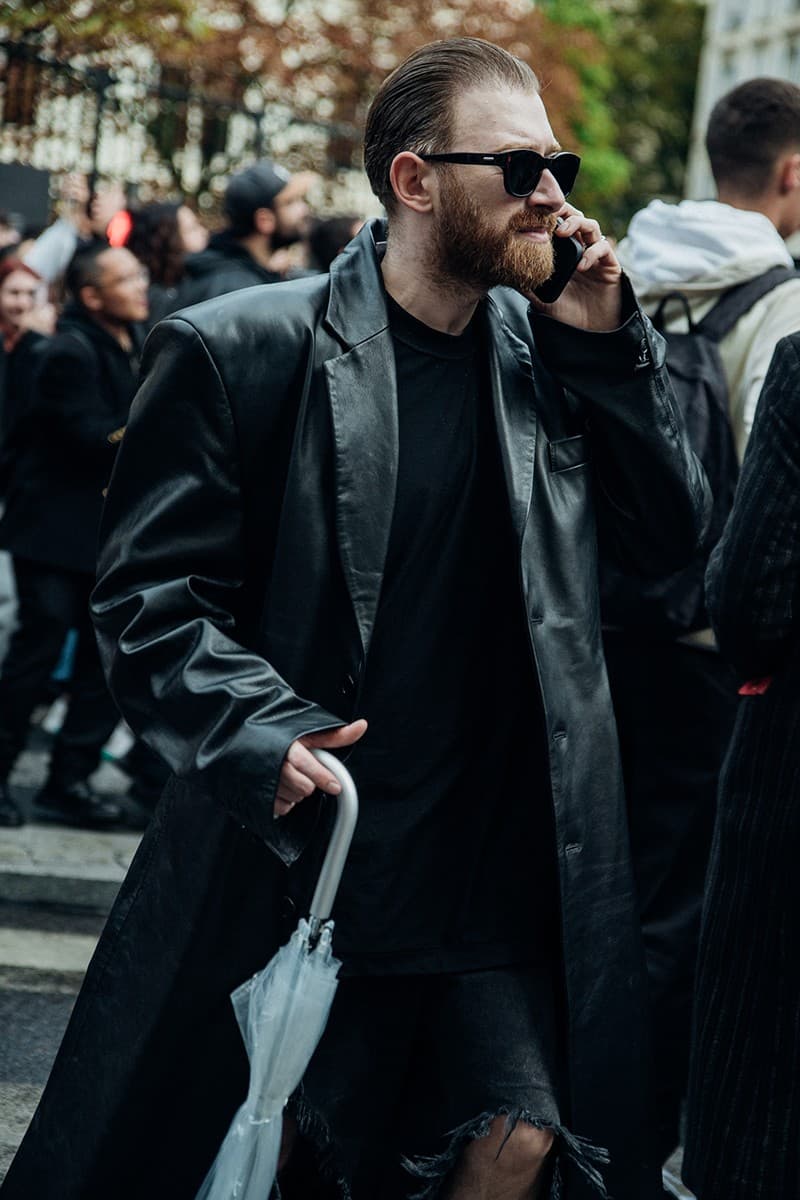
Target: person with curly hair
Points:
(161, 237)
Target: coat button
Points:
(347, 687)
(644, 358)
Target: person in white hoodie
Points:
(704, 247)
(675, 700)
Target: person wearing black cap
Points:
(265, 208)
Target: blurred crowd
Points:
(77, 300)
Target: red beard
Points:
(472, 253)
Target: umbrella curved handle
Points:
(343, 830)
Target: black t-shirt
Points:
(451, 865)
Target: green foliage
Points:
(605, 171)
(634, 118)
(577, 14)
(654, 53)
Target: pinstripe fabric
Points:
(743, 1138)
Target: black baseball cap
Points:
(258, 186)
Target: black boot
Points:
(76, 804)
(10, 814)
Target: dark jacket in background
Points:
(18, 372)
(743, 1129)
(224, 266)
(162, 300)
(60, 454)
(243, 553)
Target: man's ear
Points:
(90, 298)
(412, 181)
(264, 221)
(789, 173)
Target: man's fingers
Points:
(294, 785)
(304, 762)
(575, 223)
(600, 251)
(301, 773)
(334, 739)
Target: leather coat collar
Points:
(357, 302)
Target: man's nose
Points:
(547, 193)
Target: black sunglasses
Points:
(522, 169)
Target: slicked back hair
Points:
(749, 129)
(84, 269)
(413, 109)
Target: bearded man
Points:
(361, 511)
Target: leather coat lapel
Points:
(363, 401)
(362, 392)
(511, 374)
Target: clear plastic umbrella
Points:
(281, 1013)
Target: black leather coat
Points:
(243, 546)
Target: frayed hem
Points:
(585, 1156)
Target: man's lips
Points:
(536, 233)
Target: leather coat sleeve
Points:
(753, 577)
(654, 502)
(170, 578)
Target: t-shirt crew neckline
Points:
(419, 336)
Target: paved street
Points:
(56, 885)
(42, 959)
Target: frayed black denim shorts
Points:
(410, 1069)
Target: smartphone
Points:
(567, 253)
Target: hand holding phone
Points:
(567, 253)
(596, 300)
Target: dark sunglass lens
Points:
(565, 170)
(523, 172)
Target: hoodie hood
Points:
(699, 247)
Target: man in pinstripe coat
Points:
(674, 697)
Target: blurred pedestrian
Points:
(161, 237)
(10, 233)
(265, 209)
(371, 493)
(82, 219)
(743, 1126)
(27, 319)
(62, 463)
(674, 696)
(328, 237)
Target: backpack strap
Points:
(659, 317)
(738, 300)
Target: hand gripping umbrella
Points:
(281, 1013)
